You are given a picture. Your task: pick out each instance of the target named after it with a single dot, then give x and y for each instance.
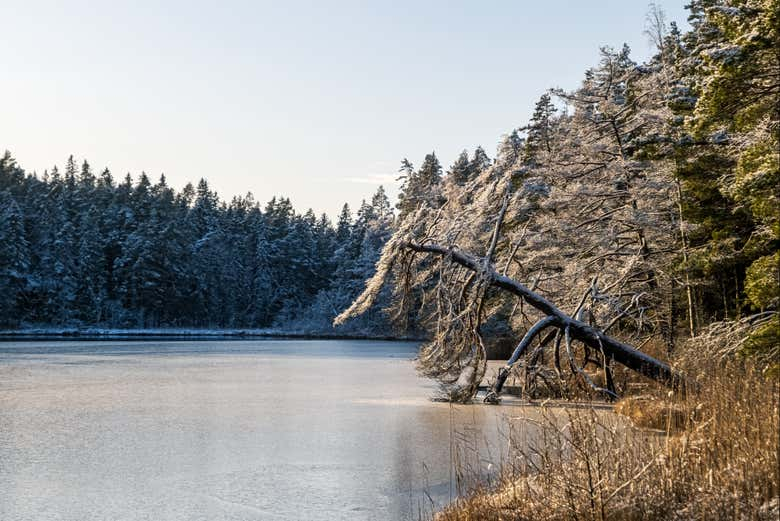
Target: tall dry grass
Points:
(715, 456)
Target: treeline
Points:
(646, 201)
(78, 248)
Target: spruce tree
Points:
(539, 129)
(460, 172)
(14, 257)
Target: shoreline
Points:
(88, 333)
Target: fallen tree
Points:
(572, 329)
(566, 328)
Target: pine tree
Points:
(344, 225)
(86, 177)
(14, 256)
(92, 272)
(11, 176)
(460, 172)
(479, 161)
(421, 187)
(408, 177)
(106, 179)
(381, 205)
(539, 129)
(430, 172)
(510, 149)
(70, 173)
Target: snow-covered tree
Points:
(14, 257)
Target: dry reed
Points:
(714, 457)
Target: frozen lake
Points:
(228, 430)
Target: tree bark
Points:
(503, 373)
(630, 357)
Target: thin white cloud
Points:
(373, 179)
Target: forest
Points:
(645, 201)
(83, 249)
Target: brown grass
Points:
(648, 411)
(716, 457)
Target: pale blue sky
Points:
(318, 101)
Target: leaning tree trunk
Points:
(571, 328)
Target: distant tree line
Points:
(79, 248)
